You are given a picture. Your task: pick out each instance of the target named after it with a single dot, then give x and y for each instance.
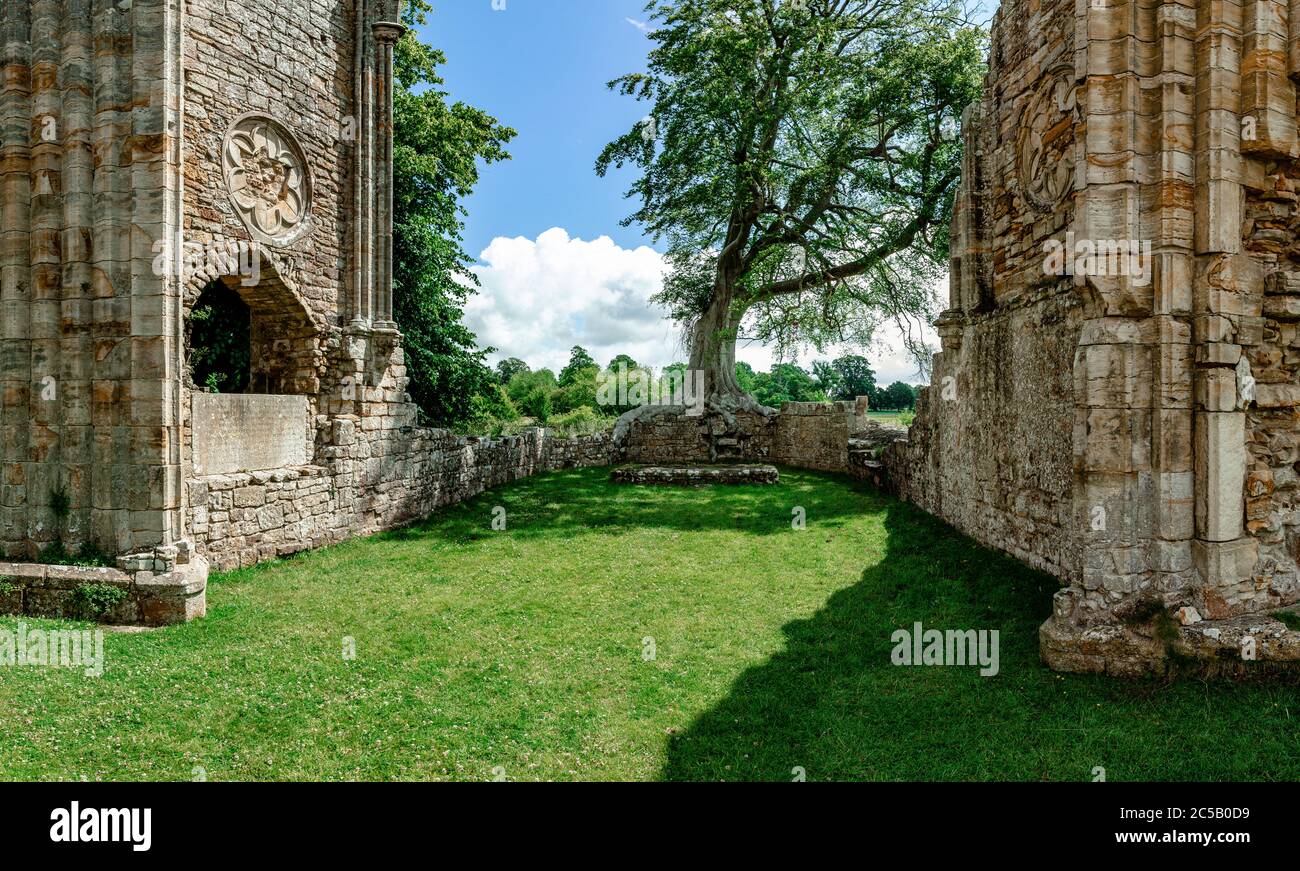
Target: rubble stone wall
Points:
(370, 481)
(991, 449)
(1116, 399)
(809, 435)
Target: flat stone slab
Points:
(693, 476)
(239, 432)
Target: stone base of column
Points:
(1257, 646)
(132, 597)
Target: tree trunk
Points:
(713, 352)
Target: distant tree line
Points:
(523, 396)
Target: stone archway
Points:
(284, 340)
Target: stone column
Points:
(15, 272)
(363, 198)
(386, 35)
(1224, 282)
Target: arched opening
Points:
(253, 366)
(252, 336)
(218, 340)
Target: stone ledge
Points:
(1211, 648)
(152, 599)
(691, 476)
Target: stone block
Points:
(1220, 475)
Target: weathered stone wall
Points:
(995, 457)
(810, 435)
(664, 435)
(991, 448)
(370, 481)
(89, 177)
(293, 64)
(815, 435)
(1127, 422)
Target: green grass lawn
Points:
(521, 654)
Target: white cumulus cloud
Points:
(540, 297)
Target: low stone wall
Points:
(379, 471)
(806, 435)
(666, 435)
(815, 435)
(148, 598)
(374, 481)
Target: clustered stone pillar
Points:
(89, 331)
(373, 239)
(386, 35)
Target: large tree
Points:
(437, 148)
(856, 377)
(798, 159)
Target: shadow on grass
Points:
(831, 703)
(832, 706)
(579, 500)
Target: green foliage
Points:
(785, 383)
(56, 553)
(799, 162)
(488, 411)
(437, 146)
(536, 403)
(531, 393)
(509, 368)
(218, 340)
(855, 377)
(1290, 619)
(579, 392)
(907, 418)
(625, 360)
(93, 601)
(524, 383)
(579, 362)
(580, 421)
(897, 396)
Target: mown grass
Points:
(522, 653)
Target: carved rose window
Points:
(1044, 159)
(268, 180)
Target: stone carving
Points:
(1046, 170)
(269, 182)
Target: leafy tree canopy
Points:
(797, 159)
(856, 377)
(437, 149)
(579, 360)
(508, 368)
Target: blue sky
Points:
(556, 267)
(541, 66)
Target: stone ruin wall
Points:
(990, 450)
(807, 435)
(297, 68)
(367, 481)
(1135, 433)
(367, 476)
(89, 176)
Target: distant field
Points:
(887, 416)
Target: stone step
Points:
(691, 476)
